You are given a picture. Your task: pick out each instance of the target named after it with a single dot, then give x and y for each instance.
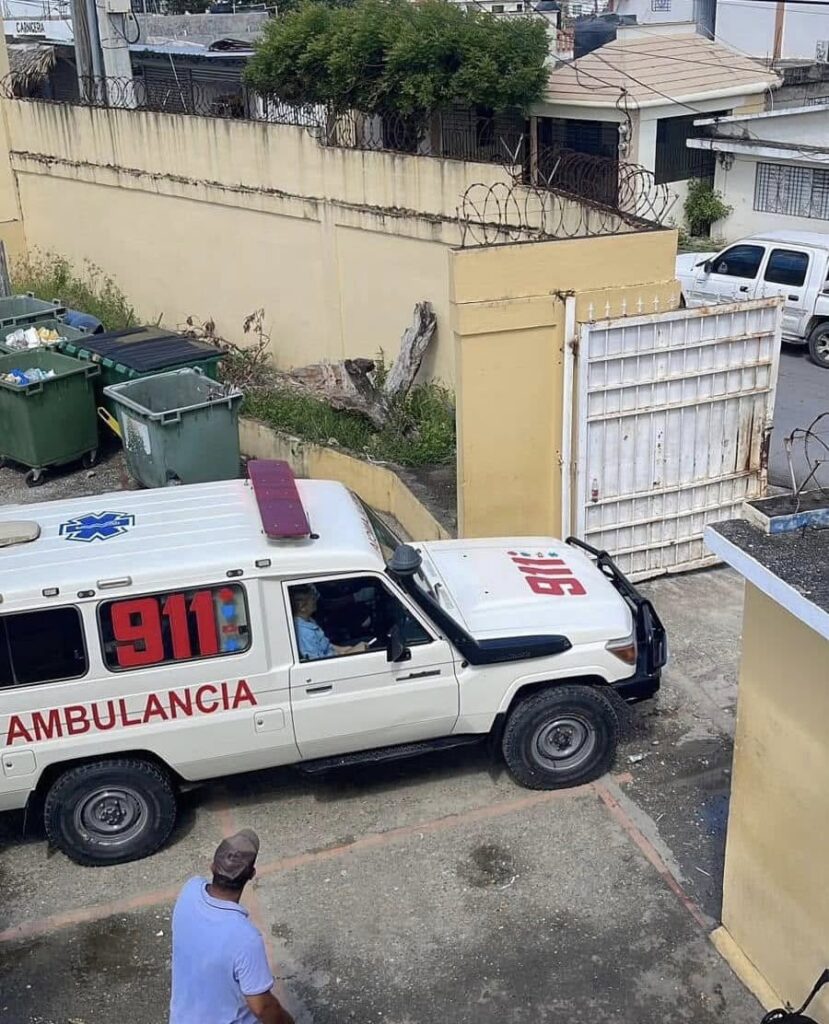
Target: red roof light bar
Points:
(280, 506)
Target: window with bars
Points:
(675, 161)
(795, 191)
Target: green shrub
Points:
(704, 205)
(50, 276)
(420, 430)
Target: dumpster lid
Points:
(144, 349)
(280, 506)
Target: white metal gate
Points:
(670, 429)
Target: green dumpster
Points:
(178, 427)
(66, 334)
(20, 310)
(136, 352)
(47, 422)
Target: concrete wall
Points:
(508, 307)
(201, 28)
(378, 486)
(11, 222)
(737, 187)
(217, 217)
(775, 896)
(750, 28)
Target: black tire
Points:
(90, 459)
(34, 478)
(83, 806)
(541, 729)
(819, 346)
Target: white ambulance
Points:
(150, 639)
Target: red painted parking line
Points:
(83, 915)
(649, 850)
(376, 839)
(99, 911)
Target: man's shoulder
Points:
(191, 891)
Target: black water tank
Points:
(593, 32)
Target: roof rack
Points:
(280, 506)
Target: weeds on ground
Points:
(420, 430)
(51, 276)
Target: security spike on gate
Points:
(656, 303)
(624, 305)
(607, 310)
(591, 310)
(640, 305)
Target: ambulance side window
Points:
(179, 625)
(41, 647)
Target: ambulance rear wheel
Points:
(564, 736)
(109, 812)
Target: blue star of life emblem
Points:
(96, 526)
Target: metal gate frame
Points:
(580, 386)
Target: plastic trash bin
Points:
(50, 422)
(64, 330)
(178, 427)
(140, 351)
(19, 310)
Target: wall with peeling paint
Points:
(216, 218)
(508, 317)
(11, 221)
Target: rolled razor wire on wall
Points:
(550, 191)
(812, 444)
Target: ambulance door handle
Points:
(319, 689)
(420, 675)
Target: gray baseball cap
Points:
(236, 854)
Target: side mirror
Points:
(706, 265)
(396, 650)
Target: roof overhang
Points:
(762, 150)
(611, 102)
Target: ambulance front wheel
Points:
(563, 736)
(109, 812)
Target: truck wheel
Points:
(109, 812)
(819, 345)
(560, 737)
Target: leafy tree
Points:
(386, 56)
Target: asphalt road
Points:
(802, 394)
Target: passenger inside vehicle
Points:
(312, 641)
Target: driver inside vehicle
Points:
(312, 641)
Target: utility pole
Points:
(101, 30)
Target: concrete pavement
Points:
(435, 888)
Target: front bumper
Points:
(651, 639)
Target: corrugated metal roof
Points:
(656, 69)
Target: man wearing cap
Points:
(220, 969)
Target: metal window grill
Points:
(794, 191)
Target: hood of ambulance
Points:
(485, 590)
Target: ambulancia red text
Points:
(103, 715)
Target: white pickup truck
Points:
(794, 264)
(158, 638)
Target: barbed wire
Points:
(514, 212)
(551, 192)
(815, 451)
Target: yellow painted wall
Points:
(11, 224)
(775, 894)
(508, 312)
(377, 486)
(216, 218)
